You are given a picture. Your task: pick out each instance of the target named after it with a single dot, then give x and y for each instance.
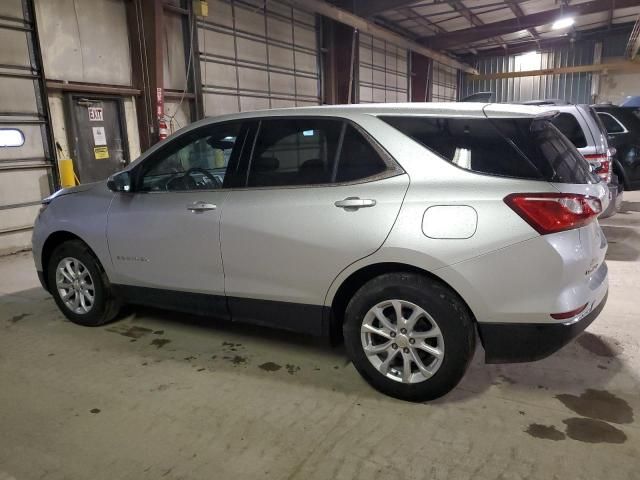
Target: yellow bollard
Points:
(67, 175)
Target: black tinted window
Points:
(304, 152)
(514, 147)
(610, 123)
(570, 128)
(294, 152)
(358, 159)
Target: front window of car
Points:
(196, 161)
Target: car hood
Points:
(68, 191)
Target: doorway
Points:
(97, 137)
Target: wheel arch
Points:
(618, 169)
(54, 240)
(356, 279)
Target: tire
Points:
(82, 266)
(444, 318)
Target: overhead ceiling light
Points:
(563, 23)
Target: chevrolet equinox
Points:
(403, 228)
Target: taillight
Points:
(554, 212)
(602, 164)
(569, 314)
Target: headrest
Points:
(314, 163)
(266, 164)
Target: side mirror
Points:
(119, 182)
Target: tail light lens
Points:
(602, 163)
(554, 212)
(572, 313)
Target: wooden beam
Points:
(368, 8)
(488, 30)
(91, 88)
(600, 67)
(366, 26)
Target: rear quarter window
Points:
(570, 128)
(508, 147)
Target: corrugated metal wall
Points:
(572, 87)
(615, 44)
(257, 54)
(383, 71)
(444, 87)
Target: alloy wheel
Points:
(75, 285)
(402, 341)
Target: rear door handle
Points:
(354, 203)
(200, 207)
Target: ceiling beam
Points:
(623, 65)
(547, 43)
(367, 26)
(473, 19)
(488, 30)
(517, 11)
(368, 8)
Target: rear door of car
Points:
(319, 194)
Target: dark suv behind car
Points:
(623, 129)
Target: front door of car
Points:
(164, 236)
(318, 196)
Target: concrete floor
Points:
(164, 395)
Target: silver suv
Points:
(401, 228)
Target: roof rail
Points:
(550, 101)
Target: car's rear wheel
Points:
(79, 285)
(409, 336)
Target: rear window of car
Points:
(610, 124)
(570, 128)
(508, 147)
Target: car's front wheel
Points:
(79, 285)
(409, 336)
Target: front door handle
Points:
(354, 203)
(196, 207)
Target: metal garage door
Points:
(259, 54)
(25, 169)
(445, 83)
(382, 73)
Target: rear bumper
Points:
(526, 342)
(615, 200)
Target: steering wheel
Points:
(217, 183)
(184, 180)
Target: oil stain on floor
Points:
(599, 405)
(159, 342)
(17, 318)
(270, 367)
(589, 430)
(134, 332)
(236, 359)
(545, 432)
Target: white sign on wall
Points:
(95, 114)
(99, 137)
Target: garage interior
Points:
(93, 83)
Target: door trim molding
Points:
(294, 317)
